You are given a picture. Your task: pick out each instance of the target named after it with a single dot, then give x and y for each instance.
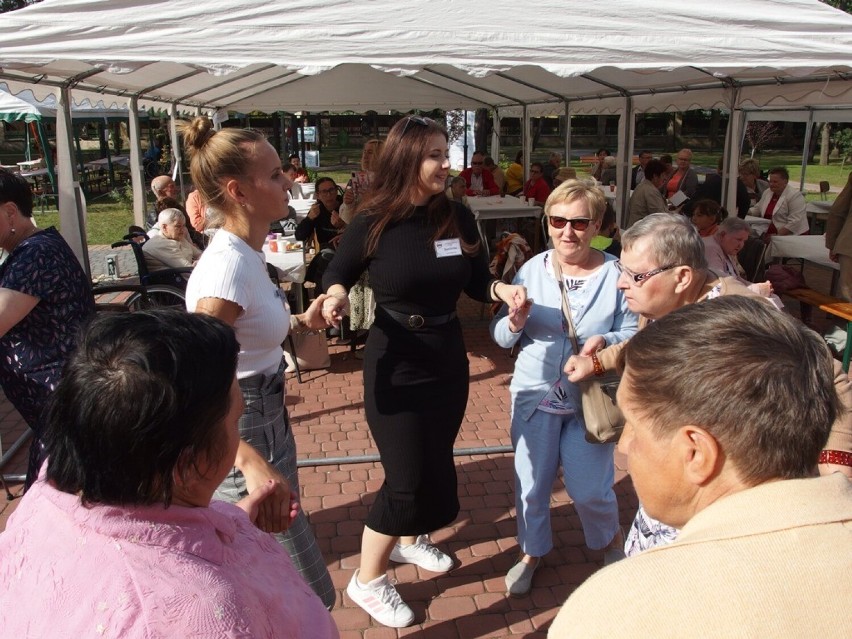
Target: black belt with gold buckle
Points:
(415, 322)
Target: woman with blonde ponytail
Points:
(239, 176)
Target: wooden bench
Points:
(831, 305)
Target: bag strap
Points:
(566, 308)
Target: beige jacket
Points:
(838, 227)
(769, 561)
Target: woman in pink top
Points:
(118, 537)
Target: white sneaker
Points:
(422, 553)
(381, 601)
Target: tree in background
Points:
(758, 134)
(843, 141)
(843, 5)
(11, 5)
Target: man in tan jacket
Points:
(838, 237)
(727, 405)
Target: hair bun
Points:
(198, 133)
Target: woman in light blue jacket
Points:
(547, 420)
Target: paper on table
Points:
(678, 198)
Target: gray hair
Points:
(733, 225)
(556, 155)
(674, 240)
(456, 180)
(169, 216)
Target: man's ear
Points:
(699, 453)
(684, 277)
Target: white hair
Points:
(169, 216)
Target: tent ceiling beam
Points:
(622, 92)
(447, 76)
(229, 80)
(166, 83)
(249, 88)
(454, 92)
(530, 85)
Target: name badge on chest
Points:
(448, 248)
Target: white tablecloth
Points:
(758, 224)
(117, 160)
(494, 207)
(819, 206)
(290, 264)
(808, 247)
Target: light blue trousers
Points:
(541, 445)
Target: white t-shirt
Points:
(231, 270)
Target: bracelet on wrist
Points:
(599, 369)
(492, 291)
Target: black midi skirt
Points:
(415, 394)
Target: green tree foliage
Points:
(11, 5)
(843, 5)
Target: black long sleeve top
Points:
(406, 274)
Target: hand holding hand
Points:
(273, 503)
(578, 368)
(593, 345)
(335, 307)
(513, 295)
(251, 504)
(834, 257)
(313, 317)
(518, 317)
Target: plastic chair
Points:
(824, 188)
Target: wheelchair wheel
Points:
(157, 296)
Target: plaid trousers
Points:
(265, 425)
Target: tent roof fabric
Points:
(294, 56)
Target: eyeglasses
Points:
(639, 278)
(416, 119)
(327, 191)
(477, 163)
(577, 223)
(535, 171)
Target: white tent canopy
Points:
(544, 58)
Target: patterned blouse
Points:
(33, 352)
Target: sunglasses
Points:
(477, 163)
(577, 223)
(639, 278)
(416, 119)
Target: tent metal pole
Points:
(72, 217)
(626, 129)
(567, 133)
(48, 155)
(809, 129)
(140, 205)
(495, 136)
(177, 154)
(458, 93)
(231, 79)
(527, 142)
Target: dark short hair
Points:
(537, 165)
(14, 188)
(653, 169)
(323, 180)
(645, 152)
(606, 151)
(288, 167)
(773, 422)
(708, 207)
(666, 158)
(144, 391)
(293, 155)
(780, 170)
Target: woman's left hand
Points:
(513, 295)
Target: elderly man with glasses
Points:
(763, 549)
(663, 268)
(479, 182)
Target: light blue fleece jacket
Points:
(598, 308)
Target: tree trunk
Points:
(481, 130)
(824, 143)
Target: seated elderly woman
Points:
(722, 249)
(783, 204)
(119, 537)
(170, 248)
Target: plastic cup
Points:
(522, 199)
(282, 245)
(611, 187)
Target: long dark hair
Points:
(397, 181)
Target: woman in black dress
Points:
(421, 251)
